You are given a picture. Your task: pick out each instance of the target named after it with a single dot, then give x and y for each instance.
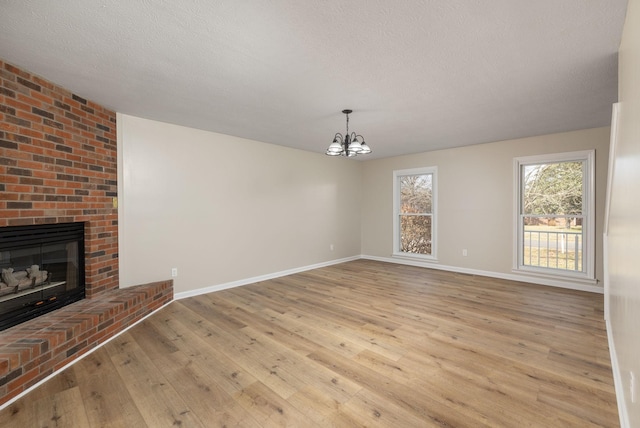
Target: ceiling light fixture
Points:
(348, 145)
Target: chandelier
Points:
(348, 145)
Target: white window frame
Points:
(588, 203)
(434, 209)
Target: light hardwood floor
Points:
(357, 344)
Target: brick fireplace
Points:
(58, 164)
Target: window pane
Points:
(415, 234)
(416, 194)
(552, 188)
(415, 200)
(553, 242)
(555, 205)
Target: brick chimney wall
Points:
(58, 164)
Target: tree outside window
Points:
(414, 212)
(552, 205)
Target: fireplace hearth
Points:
(42, 270)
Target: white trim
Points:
(89, 352)
(588, 257)
(552, 282)
(123, 249)
(606, 284)
(416, 258)
(550, 273)
(615, 114)
(617, 381)
(433, 170)
(246, 281)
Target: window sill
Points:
(568, 276)
(415, 258)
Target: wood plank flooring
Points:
(362, 343)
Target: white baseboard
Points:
(89, 352)
(511, 277)
(617, 381)
(490, 274)
(241, 282)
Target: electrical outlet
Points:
(331, 247)
(174, 272)
(464, 252)
(632, 387)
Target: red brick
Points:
(15, 70)
(28, 164)
(11, 359)
(18, 105)
(41, 97)
(44, 83)
(33, 148)
(8, 127)
(20, 381)
(37, 362)
(16, 188)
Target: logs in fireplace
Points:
(42, 270)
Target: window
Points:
(555, 220)
(414, 208)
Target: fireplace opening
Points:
(42, 270)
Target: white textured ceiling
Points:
(419, 75)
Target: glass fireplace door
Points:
(40, 272)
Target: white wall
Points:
(475, 200)
(224, 209)
(624, 222)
